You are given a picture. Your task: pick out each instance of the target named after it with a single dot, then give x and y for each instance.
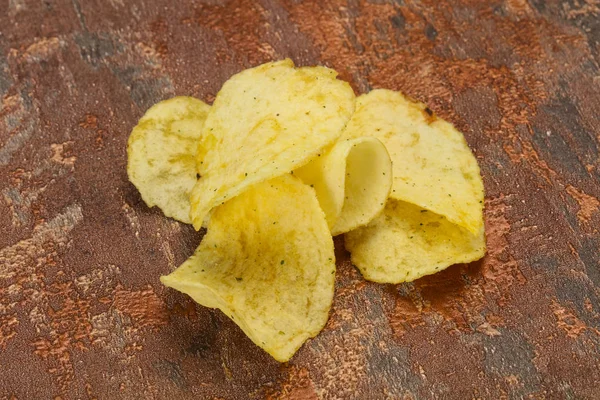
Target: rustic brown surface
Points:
(82, 313)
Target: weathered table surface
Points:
(82, 312)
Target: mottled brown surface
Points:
(82, 313)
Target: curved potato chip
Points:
(161, 153)
(432, 163)
(266, 121)
(407, 242)
(352, 182)
(268, 263)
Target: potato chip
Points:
(432, 164)
(352, 181)
(266, 121)
(434, 217)
(407, 242)
(268, 263)
(161, 154)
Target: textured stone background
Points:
(82, 313)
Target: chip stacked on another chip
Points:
(282, 161)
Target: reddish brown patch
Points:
(582, 8)
(89, 121)
(519, 8)
(407, 314)
(500, 269)
(8, 327)
(567, 321)
(187, 310)
(65, 327)
(61, 154)
(588, 205)
(160, 29)
(144, 307)
(298, 386)
(243, 24)
(42, 49)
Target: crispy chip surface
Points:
(352, 181)
(433, 166)
(161, 154)
(266, 121)
(407, 242)
(268, 263)
(434, 217)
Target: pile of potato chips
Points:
(282, 161)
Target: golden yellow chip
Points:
(266, 121)
(352, 181)
(432, 164)
(161, 154)
(268, 263)
(407, 242)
